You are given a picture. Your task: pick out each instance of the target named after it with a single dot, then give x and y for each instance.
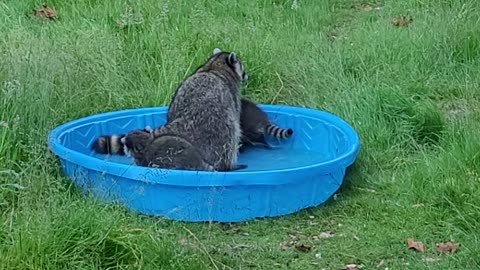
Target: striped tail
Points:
(278, 132)
(109, 144)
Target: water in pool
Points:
(258, 159)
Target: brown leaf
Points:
(302, 247)
(447, 247)
(45, 11)
(416, 245)
(401, 21)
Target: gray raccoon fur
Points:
(166, 151)
(205, 110)
(255, 124)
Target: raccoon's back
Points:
(203, 90)
(206, 111)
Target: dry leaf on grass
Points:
(45, 12)
(416, 245)
(447, 247)
(302, 247)
(401, 21)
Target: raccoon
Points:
(166, 151)
(255, 124)
(111, 144)
(205, 110)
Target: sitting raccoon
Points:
(166, 151)
(255, 124)
(205, 112)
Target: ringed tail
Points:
(278, 132)
(109, 144)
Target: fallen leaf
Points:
(302, 247)
(401, 21)
(416, 245)
(430, 259)
(45, 11)
(447, 247)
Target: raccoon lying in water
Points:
(255, 124)
(166, 151)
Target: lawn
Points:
(411, 92)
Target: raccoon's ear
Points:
(232, 59)
(216, 50)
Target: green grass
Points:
(412, 93)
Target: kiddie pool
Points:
(302, 171)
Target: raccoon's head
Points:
(231, 60)
(135, 142)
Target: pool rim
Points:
(198, 178)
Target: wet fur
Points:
(166, 151)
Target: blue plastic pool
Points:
(302, 171)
